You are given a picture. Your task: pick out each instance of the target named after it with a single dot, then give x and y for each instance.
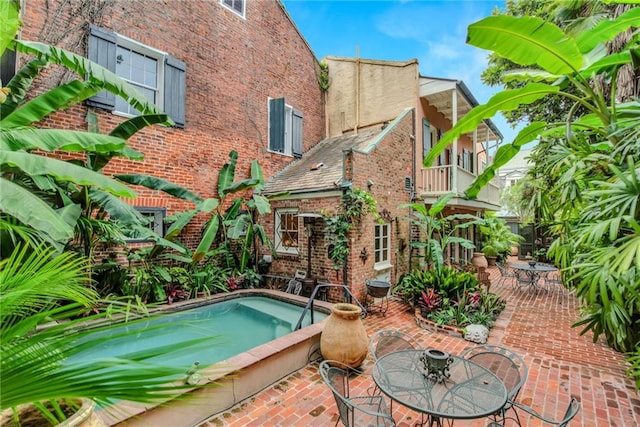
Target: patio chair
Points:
(355, 411)
(555, 282)
(506, 274)
(506, 365)
(386, 341)
(570, 413)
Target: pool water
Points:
(234, 326)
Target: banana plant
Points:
(238, 221)
(560, 60)
(46, 193)
(439, 229)
(590, 161)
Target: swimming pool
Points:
(253, 346)
(234, 326)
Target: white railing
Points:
(437, 180)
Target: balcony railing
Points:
(438, 180)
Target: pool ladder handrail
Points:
(309, 306)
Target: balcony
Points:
(435, 181)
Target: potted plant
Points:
(497, 238)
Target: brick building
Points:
(232, 75)
(236, 75)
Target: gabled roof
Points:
(321, 168)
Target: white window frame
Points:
(382, 253)
(159, 56)
(226, 4)
(280, 248)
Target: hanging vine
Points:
(355, 205)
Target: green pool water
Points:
(234, 327)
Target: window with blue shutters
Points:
(285, 128)
(155, 74)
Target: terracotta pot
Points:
(84, 417)
(479, 260)
(491, 260)
(343, 337)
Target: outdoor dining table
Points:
(534, 272)
(471, 391)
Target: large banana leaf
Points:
(526, 41)
(257, 174)
(208, 237)
(506, 100)
(56, 99)
(607, 30)
(159, 184)
(99, 76)
(58, 139)
(34, 165)
(127, 129)
(9, 23)
(503, 155)
(33, 211)
(227, 174)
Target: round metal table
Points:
(470, 392)
(533, 272)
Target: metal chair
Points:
(506, 273)
(386, 341)
(570, 413)
(355, 411)
(506, 365)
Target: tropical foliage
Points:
(356, 204)
(497, 236)
(588, 164)
(40, 347)
(438, 231)
(52, 213)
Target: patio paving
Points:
(562, 364)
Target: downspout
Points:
(346, 186)
(412, 186)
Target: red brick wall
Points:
(386, 167)
(233, 66)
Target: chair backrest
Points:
(504, 363)
(336, 376)
(505, 270)
(572, 410)
(355, 411)
(387, 341)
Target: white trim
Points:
(279, 247)
(160, 58)
(242, 14)
(384, 251)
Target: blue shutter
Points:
(276, 125)
(175, 90)
(102, 50)
(296, 133)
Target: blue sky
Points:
(433, 31)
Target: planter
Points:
(30, 417)
(491, 260)
(343, 337)
(479, 260)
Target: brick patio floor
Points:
(562, 364)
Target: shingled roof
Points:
(321, 168)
